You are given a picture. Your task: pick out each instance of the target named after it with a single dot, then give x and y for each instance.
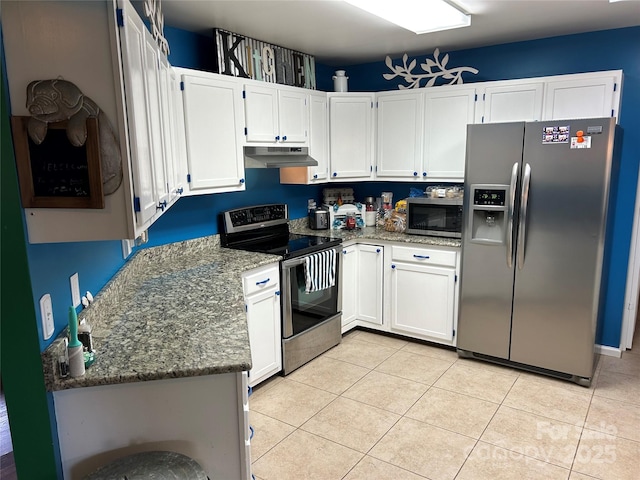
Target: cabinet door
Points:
(213, 126)
(261, 288)
(512, 103)
(351, 134)
(422, 300)
(152, 77)
(318, 137)
(133, 46)
(447, 114)
(261, 113)
(293, 116)
(178, 181)
(263, 320)
(369, 283)
(399, 140)
(349, 287)
(580, 98)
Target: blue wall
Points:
(51, 265)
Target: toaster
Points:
(319, 219)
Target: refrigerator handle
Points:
(511, 206)
(524, 204)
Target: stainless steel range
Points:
(311, 316)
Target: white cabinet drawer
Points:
(424, 256)
(260, 280)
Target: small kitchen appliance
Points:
(319, 218)
(535, 222)
(438, 217)
(311, 321)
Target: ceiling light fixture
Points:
(419, 16)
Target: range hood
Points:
(277, 157)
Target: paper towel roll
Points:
(76, 361)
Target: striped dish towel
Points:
(320, 271)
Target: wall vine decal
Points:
(413, 79)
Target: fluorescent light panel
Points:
(419, 16)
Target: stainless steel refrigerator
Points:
(535, 207)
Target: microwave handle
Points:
(512, 201)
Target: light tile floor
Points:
(383, 408)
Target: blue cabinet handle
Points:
(344, 251)
(252, 432)
(180, 190)
(278, 138)
(277, 293)
(415, 174)
(315, 176)
(377, 250)
(424, 174)
(242, 180)
(249, 391)
(162, 205)
(284, 138)
(263, 282)
(393, 266)
(421, 256)
(335, 174)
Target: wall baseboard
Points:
(608, 351)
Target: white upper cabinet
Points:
(399, 135)
(318, 145)
(275, 115)
(351, 120)
(213, 118)
(136, 68)
(588, 95)
(510, 101)
(448, 111)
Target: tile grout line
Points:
(485, 428)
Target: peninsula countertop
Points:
(170, 311)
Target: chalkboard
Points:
(56, 174)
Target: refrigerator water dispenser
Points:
(488, 219)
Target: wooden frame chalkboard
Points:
(56, 174)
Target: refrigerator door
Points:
(486, 288)
(562, 226)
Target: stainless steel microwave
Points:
(439, 217)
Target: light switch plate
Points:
(46, 312)
(75, 289)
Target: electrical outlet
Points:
(46, 314)
(75, 289)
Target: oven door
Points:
(302, 311)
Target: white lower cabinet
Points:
(261, 288)
(349, 287)
(422, 286)
(369, 283)
(362, 286)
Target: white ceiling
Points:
(339, 34)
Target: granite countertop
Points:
(178, 311)
(171, 311)
(373, 233)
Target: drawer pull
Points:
(263, 282)
(252, 432)
(422, 257)
(377, 250)
(393, 266)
